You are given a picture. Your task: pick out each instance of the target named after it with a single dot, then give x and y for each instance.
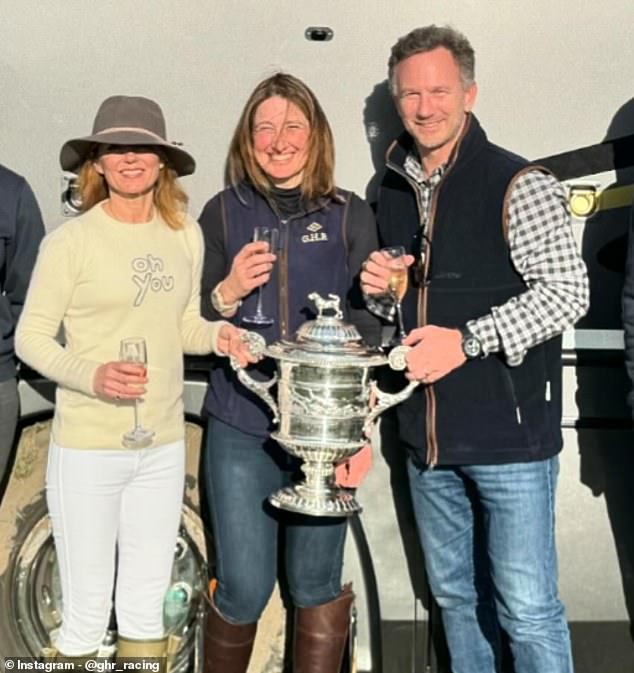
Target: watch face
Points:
(471, 347)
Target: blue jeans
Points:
(488, 538)
(241, 471)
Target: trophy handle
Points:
(397, 361)
(257, 346)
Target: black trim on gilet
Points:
(313, 253)
(484, 412)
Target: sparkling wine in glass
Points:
(134, 350)
(271, 236)
(397, 283)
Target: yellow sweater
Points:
(103, 280)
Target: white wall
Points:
(551, 74)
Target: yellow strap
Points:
(616, 197)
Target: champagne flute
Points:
(271, 236)
(134, 349)
(397, 284)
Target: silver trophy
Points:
(323, 410)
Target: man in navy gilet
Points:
(495, 277)
(21, 231)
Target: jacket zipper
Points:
(431, 458)
(432, 437)
(282, 271)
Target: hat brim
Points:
(74, 152)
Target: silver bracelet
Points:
(219, 304)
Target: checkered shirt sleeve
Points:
(381, 305)
(544, 252)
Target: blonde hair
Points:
(170, 199)
(318, 176)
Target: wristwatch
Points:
(471, 345)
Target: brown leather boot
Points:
(227, 646)
(321, 633)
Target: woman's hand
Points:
(250, 268)
(231, 344)
(351, 472)
(120, 380)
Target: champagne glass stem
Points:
(399, 319)
(258, 308)
(271, 236)
(134, 349)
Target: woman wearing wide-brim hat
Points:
(128, 267)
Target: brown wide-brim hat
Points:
(127, 120)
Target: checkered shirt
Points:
(543, 251)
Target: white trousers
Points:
(102, 500)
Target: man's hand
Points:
(376, 272)
(118, 380)
(231, 344)
(250, 268)
(436, 351)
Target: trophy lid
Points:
(327, 340)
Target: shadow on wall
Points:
(382, 126)
(606, 441)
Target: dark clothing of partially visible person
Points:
(628, 309)
(21, 231)
(321, 249)
(9, 414)
(506, 414)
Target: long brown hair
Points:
(318, 178)
(170, 200)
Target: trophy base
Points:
(335, 502)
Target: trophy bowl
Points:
(323, 409)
